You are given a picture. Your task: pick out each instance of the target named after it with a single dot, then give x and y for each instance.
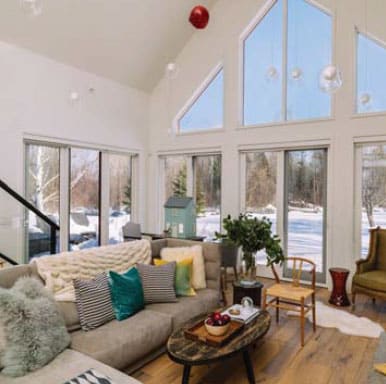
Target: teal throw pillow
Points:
(126, 293)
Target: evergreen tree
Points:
(179, 183)
(127, 199)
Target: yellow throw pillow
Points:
(381, 368)
(183, 280)
(194, 252)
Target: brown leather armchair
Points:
(370, 276)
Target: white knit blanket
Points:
(58, 271)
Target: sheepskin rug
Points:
(347, 323)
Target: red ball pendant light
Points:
(199, 17)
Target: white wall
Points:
(220, 43)
(34, 101)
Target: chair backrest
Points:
(380, 246)
(132, 231)
(299, 266)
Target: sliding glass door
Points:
(120, 194)
(305, 207)
(84, 198)
(289, 187)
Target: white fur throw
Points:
(58, 271)
(182, 253)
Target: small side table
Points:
(253, 291)
(339, 295)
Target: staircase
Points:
(39, 237)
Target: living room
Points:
(272, 108)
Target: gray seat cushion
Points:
(205, 301)
(65, 366)
(120, 343)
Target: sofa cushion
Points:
(66, 365)
(183, 280)
(35, 330)
(121, 343)
(204, 302)
(93, 301)
(70, 314)
(373, 280)
(126, 293)
(158, 282)
(182, 253)
(8, 276)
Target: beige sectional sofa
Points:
(128, 344)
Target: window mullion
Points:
(284, 62)
(64, 198)
(104, 198)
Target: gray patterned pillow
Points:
(93, 301)
(91, 376)
(35, 332)
(158, 282)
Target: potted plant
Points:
(252, 235)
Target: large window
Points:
(373, 190)
(198, 177)
(207, 110)
(289, 188)
(283, 58)
(42, 190)
(95, 199)
(371, 75)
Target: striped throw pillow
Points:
(93, 301)
(158, 282)
(91, 376)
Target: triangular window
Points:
(207, 109)
(371, 75)
(284, 54)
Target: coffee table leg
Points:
(249, 367)
(186, 374)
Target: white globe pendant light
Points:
(330, 79)
(272, 73)
(296, 73)
(365, 98)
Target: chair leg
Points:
(235, 271)
(223, 287)
(353, 300)
(302, 318)
(264, 304)
(277, 309)
(313, 313)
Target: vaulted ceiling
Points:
(129, 41)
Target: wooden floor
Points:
(329, 357)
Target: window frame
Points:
(192, 100)
(359, 31)
(190, 178)
(281, 149)
(264, 10)
(104, 184)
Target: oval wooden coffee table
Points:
(188, 352)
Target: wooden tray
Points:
(198, 332)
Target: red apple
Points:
(209, 321)
(216, 316)
(226, 319)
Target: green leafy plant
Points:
(252, 235)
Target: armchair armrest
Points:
(364, 265)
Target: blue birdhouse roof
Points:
(178, 202)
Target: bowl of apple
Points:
(217, 324)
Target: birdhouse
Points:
(180, 216)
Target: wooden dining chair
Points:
(293, 296)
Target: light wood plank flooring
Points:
(329, 357)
